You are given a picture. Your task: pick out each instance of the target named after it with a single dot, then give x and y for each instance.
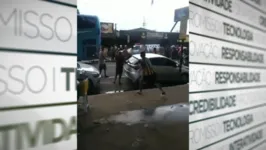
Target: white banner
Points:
(209, 77)
(207, 105)
(27, 81)
(211, 24)
(227, 74)
(237, 10)
(38, 26)
(209, 131)
(38, 48)
(206, 50)
(52, 128)
(252, 139)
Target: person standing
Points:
(112, 53)
(143, 48)
(166, 51)
(173, 52)
(154, 50)
(119, 66)
(102, 64)
(161, 50)
(148, 75)
(126, 47)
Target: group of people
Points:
(119, 59)
(147, 74)
(113, 51)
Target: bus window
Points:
(86, 22)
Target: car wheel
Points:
(184, 78)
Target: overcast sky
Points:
(129, 14)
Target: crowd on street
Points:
(120, 54)
(173, 52)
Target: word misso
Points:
(236, 123)
(224, 4)
(21, 77)
(44, 132)
(240, 55)
(211, 104)
(238, 32)
(244, 142)
(236, 77)
(32, 24)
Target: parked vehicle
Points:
(89, 37)
(167, 70)
(92, 74)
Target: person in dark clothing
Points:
(174, 53)
(167, 52)
(113, 53)
(119, 66)
(154, 50)
(148, 75)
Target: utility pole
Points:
(144, 23)
(182, 36)
(181, 15)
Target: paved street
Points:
(107, 85)
(152, 128)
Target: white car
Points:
(93, 75)
(167, 70)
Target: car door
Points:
(78, 72)
(160, 69)
(173, 74)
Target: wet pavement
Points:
(163, 128)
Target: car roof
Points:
(83, 64)
(90, 16)
(149, 55)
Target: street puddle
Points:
(160, 115)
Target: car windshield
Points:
(133, 60)
(136, 51)
(136, 47)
